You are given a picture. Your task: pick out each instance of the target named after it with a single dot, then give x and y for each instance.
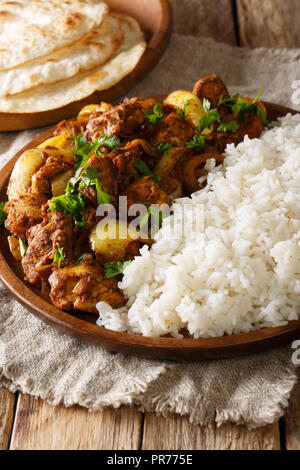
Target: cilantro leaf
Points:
(23, 247)
(81, 257)
(71, 202)
(3, 214)
(157, 114)
(163, 147)
(208, 119)
(83, 148)
(197, 142)
(242, 108)
(113, 269)
(230, 126)
(110, 141)
(182, 112)
(59, 255)
(143, 170)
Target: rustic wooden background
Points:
(27, 423)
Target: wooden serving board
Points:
(83, 326)
(154, 18)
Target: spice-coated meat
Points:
(145, 190)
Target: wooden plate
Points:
(82, 326)
(155, 19)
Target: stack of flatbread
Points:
(54, 52)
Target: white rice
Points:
(243, 273)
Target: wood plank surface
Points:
(40, 426)
(269, 23)
(292, 420)
(215, 21)
(177, 433)
(7, 404)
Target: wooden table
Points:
(27, 423)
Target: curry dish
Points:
(150, 150)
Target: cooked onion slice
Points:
(59, 182)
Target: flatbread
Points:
(96, 48)
(34, 28)
(56, 95)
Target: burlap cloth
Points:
(253, 390)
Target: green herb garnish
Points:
(197, 142)
(230, 126)
(90, 178)
(72, 202)
(3, 214)
(182, 112)
(155, 212)
(113, 269)
(23, 247)
(143, 170)
(206, 105)
(229, 102)
(157, 114)
(242, 108)
(59, 255)
(83, 147)
(164, 147)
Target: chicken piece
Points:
(121, 120)
(211, 88)
(42, 245)
(172, 129)
(145, 190)
(123, 160)
(107, 174)
(216, 142)
(82, 286)
(23, 213)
